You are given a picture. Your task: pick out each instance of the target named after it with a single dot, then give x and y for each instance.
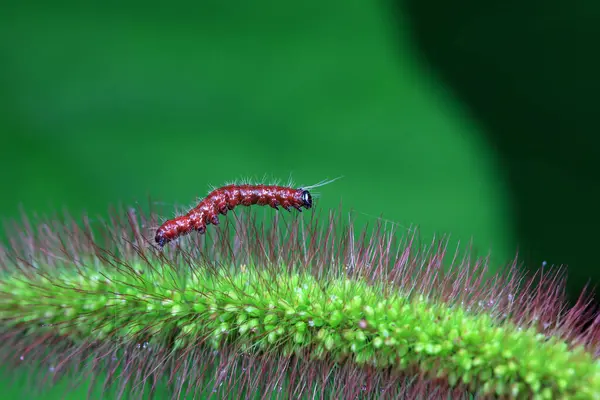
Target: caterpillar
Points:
(226, 198)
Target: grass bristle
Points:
(285, 308)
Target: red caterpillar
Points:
(226, 198)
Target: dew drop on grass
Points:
(215, 389)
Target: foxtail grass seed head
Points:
(293, 307)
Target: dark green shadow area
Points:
(528, 71)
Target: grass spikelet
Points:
(294, 308)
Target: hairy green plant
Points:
(286, 309)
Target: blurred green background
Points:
(474, 119)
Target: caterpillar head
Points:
(306, 199)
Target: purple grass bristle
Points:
(324, 246)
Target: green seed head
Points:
(278, 303)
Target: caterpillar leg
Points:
(275, 204)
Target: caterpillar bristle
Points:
(294, 307)
(322, 183)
